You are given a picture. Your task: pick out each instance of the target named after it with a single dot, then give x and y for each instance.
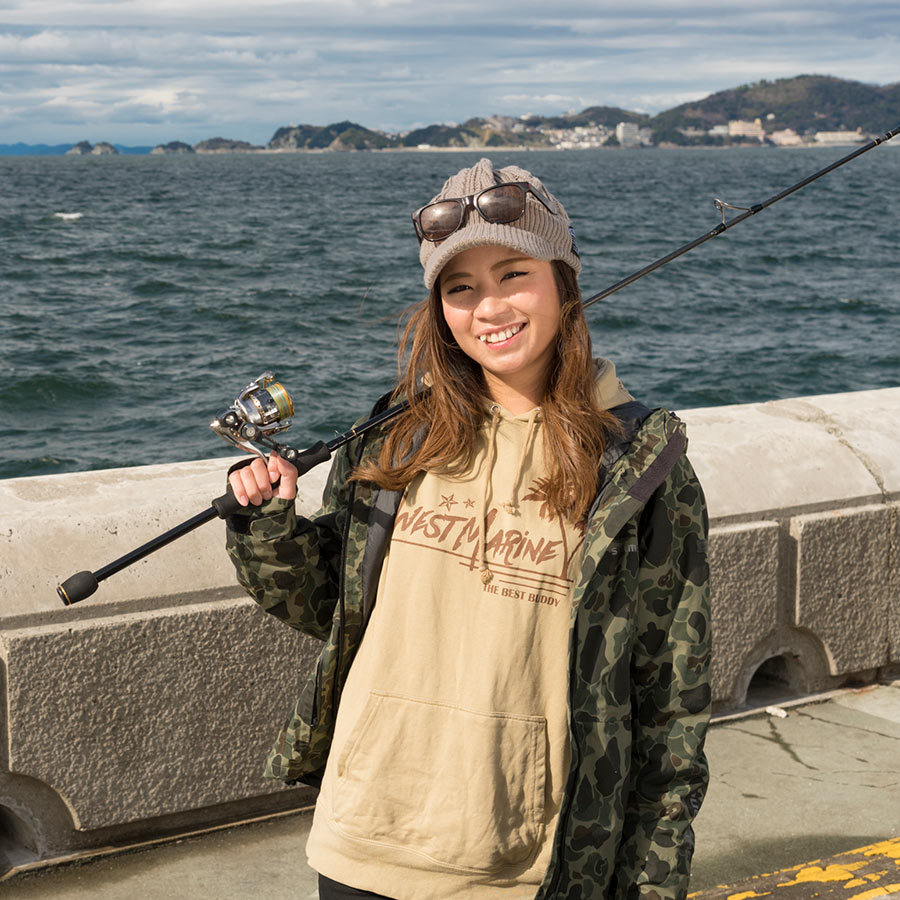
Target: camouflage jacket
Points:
(639, 650)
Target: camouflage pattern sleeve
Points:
(670, 693)
(288, 564)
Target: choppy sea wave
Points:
(140, 293)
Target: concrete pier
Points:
(147, 710)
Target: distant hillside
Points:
(610, 116)
(807, 103)
(495, 131)
(442, 136)
(22, 149)
(173, 147)
(224, 145)
(340, 136)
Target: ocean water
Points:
(139, 294)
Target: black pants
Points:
(333, 890)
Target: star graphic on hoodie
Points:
(448, 501)
(470, 504)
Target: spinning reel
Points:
(261, 410)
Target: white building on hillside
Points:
(787, 137)
(628, 134)
(839, 138)
(740, 128)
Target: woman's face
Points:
(503, 308)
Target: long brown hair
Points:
(575, 428)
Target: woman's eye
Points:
(457, 288)
(514, 274)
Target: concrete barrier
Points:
(148, 709)
(803, 501)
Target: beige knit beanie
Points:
(537, 233)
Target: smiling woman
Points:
(511, 582)
(504, 312)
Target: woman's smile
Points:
(502, 337)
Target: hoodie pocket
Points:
(463, 788)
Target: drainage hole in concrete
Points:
(18, 844)
(777, 679)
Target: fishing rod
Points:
(264, 407)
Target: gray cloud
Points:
(141, 72)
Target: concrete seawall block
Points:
(867, 421)
(771, 459)
(744, 564)
(56, 525)
(844, 590)
(135, 716)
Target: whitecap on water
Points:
(68, 217)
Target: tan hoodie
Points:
(451, 742)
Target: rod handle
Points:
(303, 460)
(77, 587)
(226, 505)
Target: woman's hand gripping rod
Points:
(264, 407)
(261, 410)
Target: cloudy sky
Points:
(148, 71)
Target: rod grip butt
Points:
(77, 587)
(226, 505)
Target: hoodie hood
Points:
(608, 388)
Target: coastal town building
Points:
(579, 137)
(839, 138)
(749, 130)
(786, 137)
(628, 134)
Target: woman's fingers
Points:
(281, 468)
(254, 484)
(251, 484)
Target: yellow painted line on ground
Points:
(885, 891)
(838, 876)
(820, 875)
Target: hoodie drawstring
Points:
(486, 574)
(511, 505)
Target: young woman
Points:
(511, 584)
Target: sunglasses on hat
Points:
(499, 204)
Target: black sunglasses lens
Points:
(441, 219)
(501, 204)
